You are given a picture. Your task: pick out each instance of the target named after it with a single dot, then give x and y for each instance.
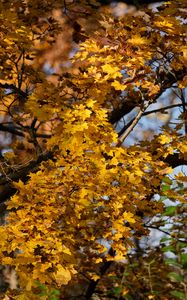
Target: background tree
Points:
(77, 195)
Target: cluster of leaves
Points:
(79, 196)
(157, 272)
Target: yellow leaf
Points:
(167, 170)
(98, 260)
(62, 276)
(112, 71)
(129, 217)
(7, 260)
(66, 251)
(9, 42)
(119, 257)
(95, 277)
(22, 297)
(118, 86)
(125, 291)
(164, 139)
(29, 285)
(137, 40)
(90, 103)
(150, 297)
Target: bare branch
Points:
(123, 136)
(182, 97)
(165, 232)
(164, 108)
(14, 88)
(150, 112)
(11, 129)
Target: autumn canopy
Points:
(77, 80)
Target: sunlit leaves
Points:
(92, 191)
(86, 205)
(62, 276)
(137, 40)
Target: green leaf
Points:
(54, 298)
(165, 239)
(172, 262)
(41, 285)
(168, 248)
(125, 273)
(182, 245)
(169, 210)
(163, 198)
(178, 295)
(165, 188)
(167, 180)
(117, 291)
(55, 292)
(175, 277)
(184, 260)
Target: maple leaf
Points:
(137, 40)
(62, 276)
(111, 70)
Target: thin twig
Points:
(16, 131)
(149, 274)
(165, 232)
(163, 108)
(151, 112)
(184, 109)
(134, 122)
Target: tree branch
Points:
(127, 107)
(163, 231)
(93, 283)
(174, 160)
(164, 108)
(123, 136)
(11, 129)
(184, 109)
(21, 173)
(14, 88)
(151, 112)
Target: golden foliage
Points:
(92, 189)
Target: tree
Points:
(76, 197)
